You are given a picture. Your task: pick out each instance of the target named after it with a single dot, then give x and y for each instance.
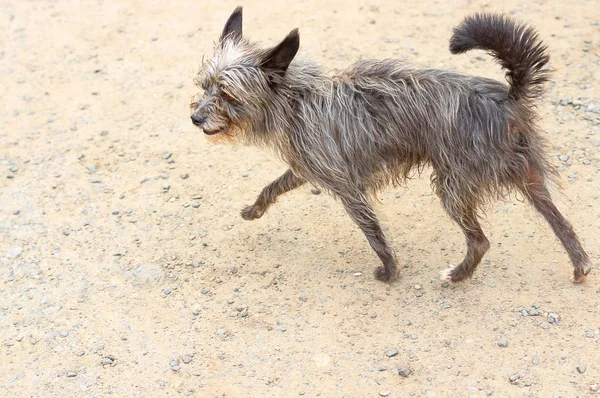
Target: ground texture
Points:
(127, 270)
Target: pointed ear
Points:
(233, 26)
(279, 58)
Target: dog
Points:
(375, 123)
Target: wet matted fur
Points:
(374, 123)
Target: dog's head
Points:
(239, 80)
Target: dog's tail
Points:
(516, 47)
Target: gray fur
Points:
(378, 122)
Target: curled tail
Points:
(516, 47)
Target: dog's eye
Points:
(228, 97)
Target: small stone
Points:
(535, 361)
(115, 212)
(382, 368)
(108, 361)
(229, 301)
(594, 387)
(197, 197)
(391, 353)
(385, 393)
(244, 313)
(553, 318)
(234, 270)
(589, 334)
(70, 374)
(233, 314)
(167, 155)
(166, 187)
(195, 205)
(187, 359)
(586, 162)
(80, 353)
(302, 298)
(104, 133)
(184, 176)
(166, 291)
(503, 343)
(514, 378)
(16, 212)
(581, 368)
(404, 371)
(417, 287)
(315, 191)
(64, 333)
(533, 312)
(564, 158)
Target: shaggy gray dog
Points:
(374, 123)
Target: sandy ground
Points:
(126, 269)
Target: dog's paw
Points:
(382, 275)
(579, 277)
(252, 213)
(446, 275)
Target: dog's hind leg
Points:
(465, 215)
(535, 190)
(269, 194)
(363, 215)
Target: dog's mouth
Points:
(213, 132)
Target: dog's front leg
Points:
(363, 215)
(269, 194)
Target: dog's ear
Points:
(278, 59)
(233, 26)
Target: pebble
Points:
(167, 155)
(174, 365)
(197, 197)
(553, 318)
(382, 368)
(581, 368)
(164, 176)
(16, 212)
(535, 361)
(404, 371)
(385, 393)
(229, 301)
(187, 359)
(64, 333)
(391, 353)
(503, 343)
(104, 133)
(70, 374)
(166, 187)
(234, 270)
(533, 312)
(315, 191)
(109, 360)
(514, 378)
(195, 205)
(184, 176)
(166, 291)
(302, 298)
(589, 334)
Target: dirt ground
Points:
(126, 269)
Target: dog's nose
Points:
(198, 120)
